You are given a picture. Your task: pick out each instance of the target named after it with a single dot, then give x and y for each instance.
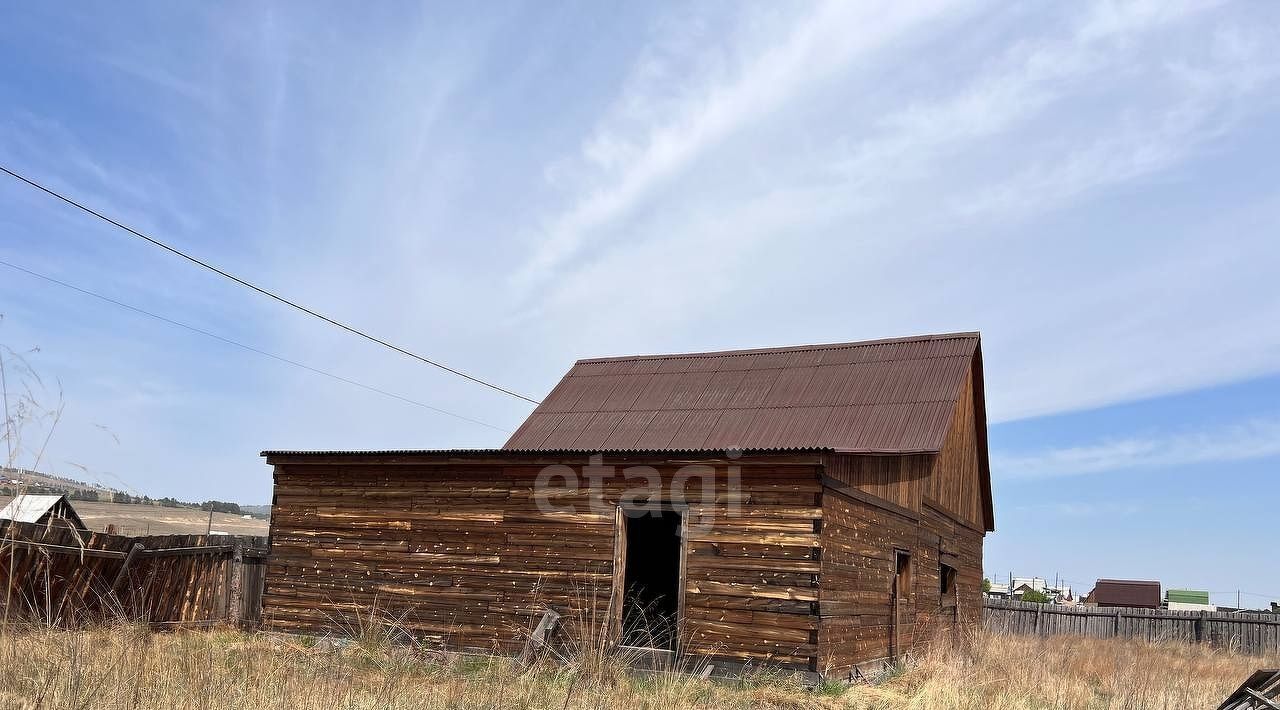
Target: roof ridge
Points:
(731, 408)
(696, 356)
(790, 348)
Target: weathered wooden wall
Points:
(954, 482)
(945, 540)
(897, 479)
(859, 539)
(858, 543)
(460, 550)
(1249, 633)
(56, 574)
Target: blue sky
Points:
(1092, 185)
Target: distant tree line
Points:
(122, 497)
(50, 491)
(219, 506)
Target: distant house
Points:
(1188, 600)
(998, 591)
(1033, 583)
(42, 509)
(1140, 594)
(1021, 590)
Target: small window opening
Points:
(947, 580)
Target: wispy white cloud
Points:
(929, 176)
(1254, 439)
(636, 146)
(1211, 96)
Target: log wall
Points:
(859, 540)
(781, 564)
(459, 550)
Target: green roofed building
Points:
(1187, 600)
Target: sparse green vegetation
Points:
(1033, 596)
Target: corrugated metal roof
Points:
(879, 396)
(28, 508)
(1187, 596)
(1126, 592)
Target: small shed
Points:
(818, 508)
(1188, 600)
(1140, 594)
(42, 509)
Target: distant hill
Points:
(15, 480)
(12, 477)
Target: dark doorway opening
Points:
(651, 600)
(900, 601)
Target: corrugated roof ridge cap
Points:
(965, 335)
(726, 408)
(686, 450)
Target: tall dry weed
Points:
(127, 667)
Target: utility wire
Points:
(250, 348)
(259, 289)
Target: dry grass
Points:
(126, 666)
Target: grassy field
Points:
(128, 667)
(158, 520)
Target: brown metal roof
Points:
(880, 396)
(1126, 592)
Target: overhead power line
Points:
(269, 294)
(250, 348)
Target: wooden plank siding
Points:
(899, 480)
(954, 480)
(858, 543)
(461, 552)
(785, 561)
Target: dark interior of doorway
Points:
(652, 581)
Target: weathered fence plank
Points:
(63, 576)
(1244, 632)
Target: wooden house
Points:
(817, 507)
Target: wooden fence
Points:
(59, 575)
(1248, 633)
